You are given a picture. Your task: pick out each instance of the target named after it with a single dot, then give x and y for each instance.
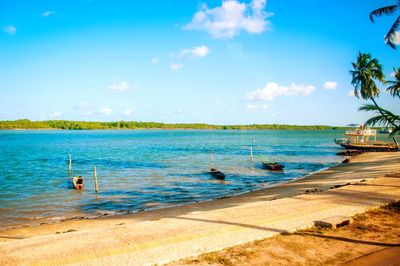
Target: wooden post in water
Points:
(211, 158)
(251, 154)
(70, 165)
(96, 185)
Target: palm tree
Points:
(365, 71)
(390, 37)
(394, 87)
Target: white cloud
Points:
(251, 106)
(175, 67)
(84, 105)
(106, 111)
(9, 29)
(227, 20)
(155, 60)
(200, 51)
(89, 113)
(330, 85)
(48, 13)
(121, 87)
(272, 90)
(128, 111)
(351, 93)
(254, 106)
(55, 114)
(196, 52)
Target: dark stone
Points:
(350, 152)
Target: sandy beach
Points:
(161, 236)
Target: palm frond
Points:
(383, 118)
(375, 108)
(390, 37)
(379, 120)
(394, 87)
(386, 10)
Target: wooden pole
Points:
(251, 154)
(70, 165)
(251, 151)
(96, 185)
(211, 158)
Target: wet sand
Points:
(160, 236)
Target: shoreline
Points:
(168, 234)
(172, 129)
(270, 193)
(104, 215)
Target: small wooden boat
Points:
(217, 174)
(385, 131)
(78, 182)
(274, 166)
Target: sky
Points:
(175, 61)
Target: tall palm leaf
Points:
(383, 118)
(390, 37)
(394, 87)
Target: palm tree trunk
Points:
(393, 124)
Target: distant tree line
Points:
(84, 125)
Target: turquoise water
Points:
(142, 170)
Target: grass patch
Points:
(216, 258)
(362, 227)
(316, 229)
(244, 253)
(393, 207)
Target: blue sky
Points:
(219, 62)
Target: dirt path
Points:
(372, 239)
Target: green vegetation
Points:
(390, 37)
(367, 71)
(83, 125)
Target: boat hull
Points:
(273, 166)
(370, 147)
(217, 174)
(78, 182)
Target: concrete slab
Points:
(334, 222)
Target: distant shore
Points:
(25, 124)
(167, 234)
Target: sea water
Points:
(145, 169)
